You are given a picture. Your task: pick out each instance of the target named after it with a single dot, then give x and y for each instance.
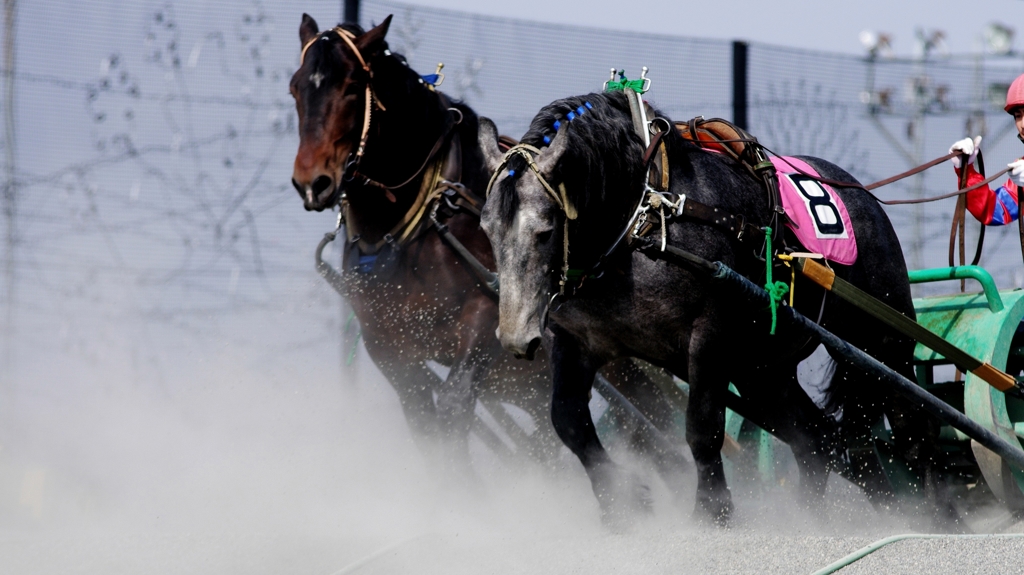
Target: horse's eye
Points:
(543, 237)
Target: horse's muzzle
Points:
(529, 352)
(319, 195)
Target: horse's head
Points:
(330, 90)
(583, 161)
(524, 226)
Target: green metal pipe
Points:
(995, 303)
(861, 553)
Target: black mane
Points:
(601, 166)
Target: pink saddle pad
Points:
(824, 224)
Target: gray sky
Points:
(825, 25)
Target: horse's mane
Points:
(602, 151)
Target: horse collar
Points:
(442, 174)
(352, 172)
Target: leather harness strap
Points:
(402, 230)
(960, 220)
(528, 152)
(723, 136)
(735, 225)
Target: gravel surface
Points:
(938, 556)
(650, 553)
(316, 480)
(734, 551)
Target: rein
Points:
(897, 177)
(902, 175)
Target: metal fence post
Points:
(739, 83)
(351, 8)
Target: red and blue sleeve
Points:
(991, 207)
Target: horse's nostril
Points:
(320, 184)
(298, 188)
(532, 348)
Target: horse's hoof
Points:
(625, 501)
(643, 501)
(714, 509)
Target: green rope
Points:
(355, 346)
(355, 342)
(777, 290)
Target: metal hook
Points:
(647, 81)
(440, 76)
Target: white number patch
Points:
(828, 222)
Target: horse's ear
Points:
(549, 156)
(308, 29)
(372, 40)
(487, 135)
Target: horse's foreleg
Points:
(414, 383)
(456, 399)
(573, 378)
(705, 422)
(573, 374)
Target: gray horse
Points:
(588, 176)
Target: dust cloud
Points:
(231, 463)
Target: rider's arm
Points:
(991, 207)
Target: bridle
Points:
(560, 197)
(351, 171)
(349, 38)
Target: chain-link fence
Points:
(873, 117)
(152, 225)
(148, 214)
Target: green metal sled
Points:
(988, 326)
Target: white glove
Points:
(1017, 171)
(968, 147)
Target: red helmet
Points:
(1015, 95)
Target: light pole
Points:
(10, 196)
(922, 99)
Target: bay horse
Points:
(378, 140)
(571, 197)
